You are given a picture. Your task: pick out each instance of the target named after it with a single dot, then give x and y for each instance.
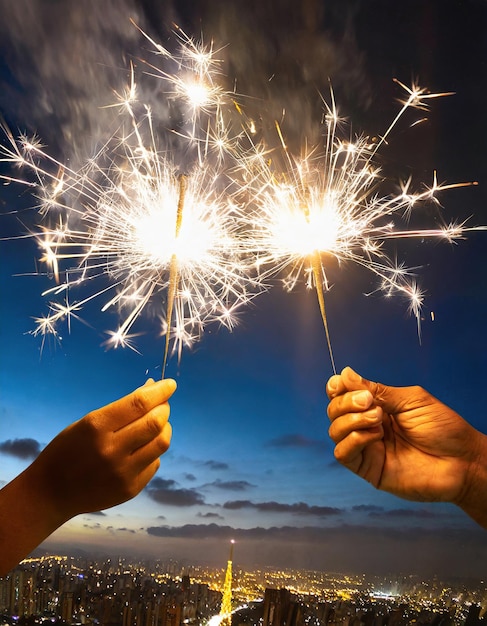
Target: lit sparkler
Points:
(134, 228)
(326, 205)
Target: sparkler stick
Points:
(173, 271)
(318, 280)
(315, 262)
(315, 259)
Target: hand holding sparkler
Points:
(405, 441)
(98, 462)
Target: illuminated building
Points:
(226, 609)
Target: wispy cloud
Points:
(367, 508)
(298, 508)
(210, 515)
(216, 465)
(231, 485)
(405, 514)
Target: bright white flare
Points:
(328, 204)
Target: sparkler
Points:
(134, 230)
(327, 205)
(136, 227)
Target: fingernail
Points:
(332, 384)
(363, 398)
(374, 417)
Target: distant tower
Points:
(226, 608)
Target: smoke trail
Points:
(284, 53)
(60, 65)
(62, 61)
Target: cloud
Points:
(405, 513)
(209, 515)
(190, 477)
(231, 485)
(101, 513)
(367, 508)
(294, 441)
(165, 492)
(216, 465)
(298, 508)
(21, 448)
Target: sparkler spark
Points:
(326, 205)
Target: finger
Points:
(139, 480)
(148, 473)
(343, 426)
(139, 432)
(350, 402)
(349, 452)
(136, 404)
(335, 386)
(146, 455)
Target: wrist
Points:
(473, 498)
(27, 516)
(38, 493)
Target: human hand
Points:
(403, 440)
(108, 456)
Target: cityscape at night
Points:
(69, 590)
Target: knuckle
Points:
(339, 454)
(164, 440)
(332, 433)
(355, 438)
(153, 425)
(91, 431)
(333, 408)
(139, 402)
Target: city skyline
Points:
(126, 591)
(250, 457)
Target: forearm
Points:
(473, 499)
(27, 517)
